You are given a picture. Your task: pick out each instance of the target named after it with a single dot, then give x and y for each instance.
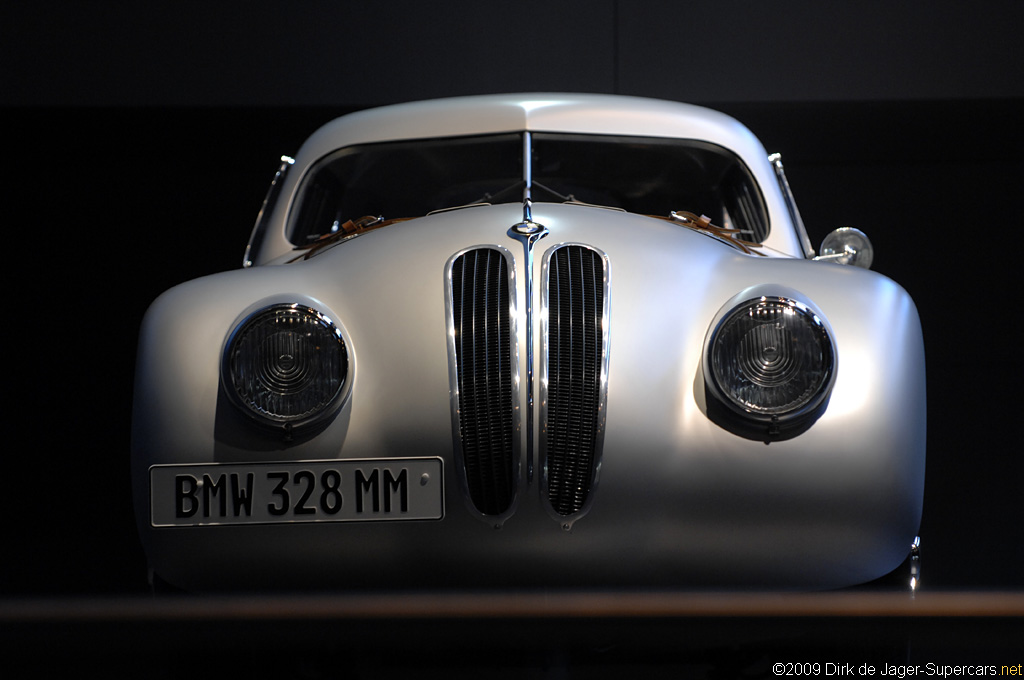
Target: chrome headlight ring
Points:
(769, 365)
(286, 366)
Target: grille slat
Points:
(480, 309)
(576, 307)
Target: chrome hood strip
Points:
(528, 233)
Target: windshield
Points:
(648, 176)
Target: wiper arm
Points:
(561, 197)
(497, 198)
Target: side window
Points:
(742, 207)
(320, 212)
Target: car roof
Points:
(550, 112)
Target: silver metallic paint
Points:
(682, 502)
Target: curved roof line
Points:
(551, 112)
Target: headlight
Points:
(285, 365)
(771, 362)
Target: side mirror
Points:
(847, 245)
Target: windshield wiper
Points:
(561, 197)
(504, 193)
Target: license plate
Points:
(311, 491)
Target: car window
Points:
(407, 179)
(650, 176)
(641, 175)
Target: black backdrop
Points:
(140, 143)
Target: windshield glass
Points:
(641, 175)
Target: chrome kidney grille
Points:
(573, 384)
(480, 335)
(484, 374)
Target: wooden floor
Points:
(563, 634)
(515, 605)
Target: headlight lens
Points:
(286, 365)
(772, 357)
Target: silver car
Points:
(531, 341)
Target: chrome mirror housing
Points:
(847, 245)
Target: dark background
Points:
(140, 138)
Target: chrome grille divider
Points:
(528, 233)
